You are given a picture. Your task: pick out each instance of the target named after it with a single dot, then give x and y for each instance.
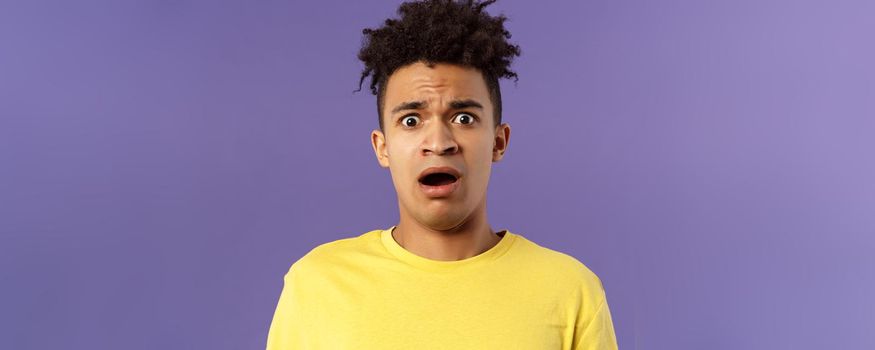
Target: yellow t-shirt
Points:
(369, 292)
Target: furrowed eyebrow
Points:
(409, 105)
(455, 104)
(461, 104)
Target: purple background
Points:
(162, 163)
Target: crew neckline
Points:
(421, 262)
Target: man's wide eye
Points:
(409, 120)
(465, 118)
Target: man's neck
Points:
(469, 239)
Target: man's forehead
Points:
(440, 76)
(442, 83)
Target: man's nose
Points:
(439, 139)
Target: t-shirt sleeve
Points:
(596, 333)
(286, 331)
(594, 328)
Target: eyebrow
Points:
(454, 104)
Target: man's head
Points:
(435, 73)
(439, 31)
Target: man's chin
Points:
(441, 221)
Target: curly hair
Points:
(439, 31)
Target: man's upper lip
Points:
(440, 169)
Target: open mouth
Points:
(440, 182)
(438, 179)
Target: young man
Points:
(441, 278)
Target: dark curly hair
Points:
(439, 31)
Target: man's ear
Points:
(378, 141)
(499, 145)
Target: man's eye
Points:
(465, 118)
(410, 120)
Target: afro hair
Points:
(439, 31)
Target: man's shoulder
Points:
(336, 251)
(350, 243)
(561, 265)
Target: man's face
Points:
(439, 117)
